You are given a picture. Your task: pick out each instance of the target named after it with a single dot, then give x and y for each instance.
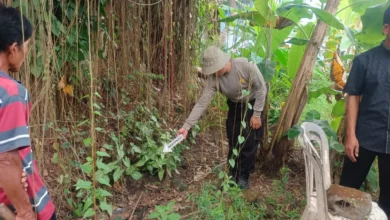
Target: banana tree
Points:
(270, 27)
(280, 24)
(340, 51)
(276, 36)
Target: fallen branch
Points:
(206, 174)
(209, 143)
(196, 212)
(136, 205)
(190, 214)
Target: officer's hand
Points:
(255, 122)
(352, 148)
(183, 132)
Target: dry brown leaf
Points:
(337, 70)
(118, 186)
(338, 97)
(68, 90)
(328, 98)
(151, 186)
(62, 83)
(280, 23)
(336, 87)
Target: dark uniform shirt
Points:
(370, 78)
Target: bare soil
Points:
(201, 164)
(199, 167)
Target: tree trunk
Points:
(298, 95)
(264, 147)
(334, 156)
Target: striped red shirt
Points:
(14, 134)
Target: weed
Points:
(165, 213)
(215, 204)
(282, 201)
(145, 132)
(136, 149)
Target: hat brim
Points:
(218, 66)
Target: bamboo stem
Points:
(92, 114)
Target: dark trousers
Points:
(245, 162)
(354, 174)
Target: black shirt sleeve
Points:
(356, 79)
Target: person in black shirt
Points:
(368, 118)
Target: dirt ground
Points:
(136, 199)
(201, 164)
(140, 197)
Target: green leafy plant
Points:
(165, 213)
(138, 148)
(215, 204)
(85, 194)
(315, 117)
(147, 137)
(282, 201)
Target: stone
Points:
(179, 184)
(348, 202)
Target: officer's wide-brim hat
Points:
(214, 59)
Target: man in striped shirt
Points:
(15, 151)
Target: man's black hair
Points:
(386, 17)
(12, 28)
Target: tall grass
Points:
(91, 62)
